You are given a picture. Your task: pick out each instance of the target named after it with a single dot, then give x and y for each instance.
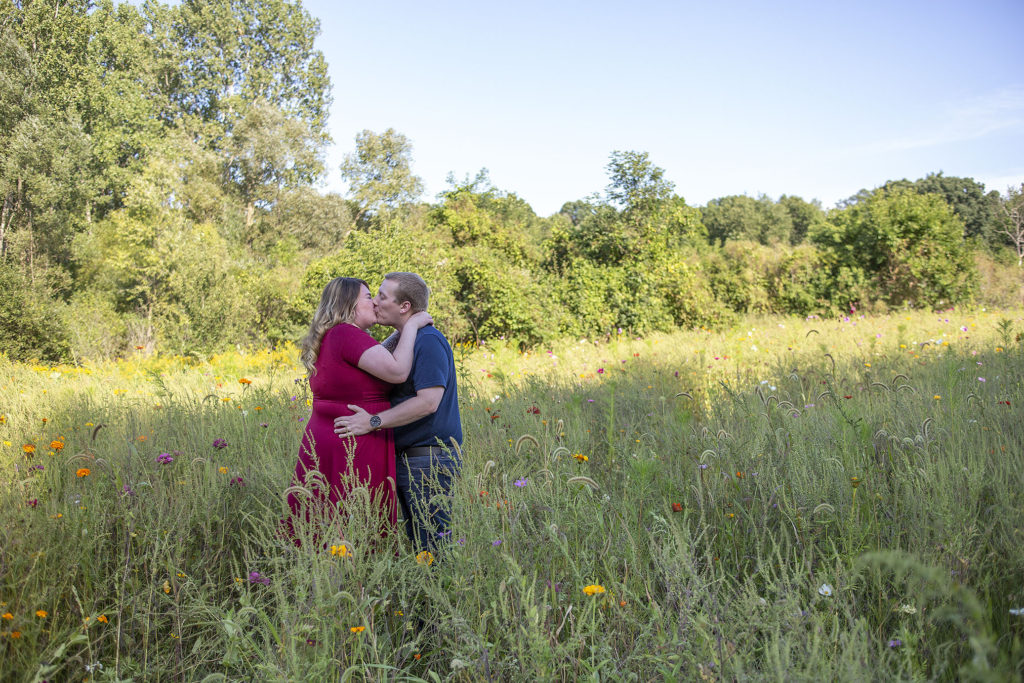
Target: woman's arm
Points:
(377, 361)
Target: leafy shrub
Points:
(31, 326)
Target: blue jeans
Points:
(424, 494)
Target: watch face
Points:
(375, 421)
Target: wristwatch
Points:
(375, 422)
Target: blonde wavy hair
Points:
(337, 305)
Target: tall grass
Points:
(798, 499)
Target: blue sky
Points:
(807, 98)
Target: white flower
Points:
(908, 609)
(1017, 612)
(825, 590)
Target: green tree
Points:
(911, 244)
(804, 216)
(739, 217)
(379, 172)
(978, 210)
(635, 183)
(234, 52)
(266, 153)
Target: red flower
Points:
(847, 396)
(534, 410)
(677, 507)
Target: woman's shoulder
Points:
(348, 336)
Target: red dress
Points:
(338, 381)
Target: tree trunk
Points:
(250, 218)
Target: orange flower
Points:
(83, 472)
(740, 475)
(56, 445)
(8, 616)
(357, 629)
(15, 634)
(41, 613)
(29, 448)
(417, 655)
(677, 507)
(244, 380)
(102, 619)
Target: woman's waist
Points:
(333, 405)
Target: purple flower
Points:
(521, 482)
(165, 458)
(256, 577)
(496, 543)
(461, 541)
(702, 466)
(36, 467)
(33, 502)
(220, 443)
(895, 642)
(237, 481)
(126, 490)
(264, 424)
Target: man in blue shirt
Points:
(424, 414)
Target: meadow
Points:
(796, 499)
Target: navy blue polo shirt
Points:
(433, 365)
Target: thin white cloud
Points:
(999, 111)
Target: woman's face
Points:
(364, 317)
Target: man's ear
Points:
(404, 307)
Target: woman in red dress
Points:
(346, 365)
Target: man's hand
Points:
(353, 425)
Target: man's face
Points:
(387, 308)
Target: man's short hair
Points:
(410, 287)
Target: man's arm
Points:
(424, 403)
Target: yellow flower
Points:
(936, 397)
(867, 365)
(29, 448)
(167, 587)
(425, 557)
(41, 613)
(83, 472)
(222, 470)
(57, 445)
(357, 629)
(593, 589)
(8, 616)
(580, 457)
(102, 619)
(341, 550)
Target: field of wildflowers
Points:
(791, 499)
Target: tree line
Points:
(158, 174)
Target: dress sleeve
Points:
(353, 343)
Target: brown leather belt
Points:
(420, 451)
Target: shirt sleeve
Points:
(430, 367)
(353, 343)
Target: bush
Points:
(31, 324)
